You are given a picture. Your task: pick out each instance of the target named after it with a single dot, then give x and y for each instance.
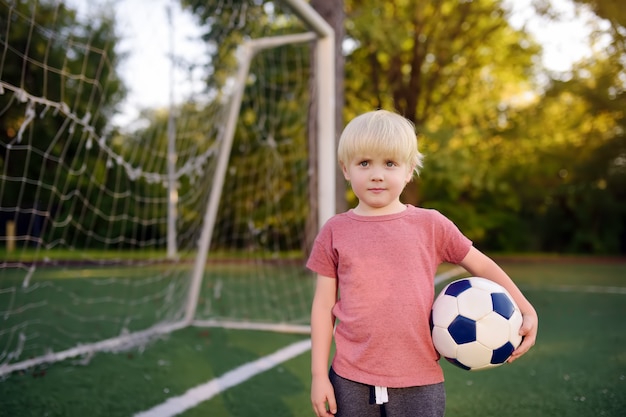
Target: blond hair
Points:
(380, 132)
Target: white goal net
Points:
(125, 214)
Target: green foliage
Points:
(420, 57)
(50, 58)
(252, 18)
(517, 165)
(268, 163)
(590, 201)
(453, 69)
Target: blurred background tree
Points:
(62, 58)
(520, 158)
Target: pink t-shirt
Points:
(386, 267)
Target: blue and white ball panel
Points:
(493, 330)
(446, 346)
(475, 356)
(475, 324)
(502, 304)
(474, 303)
(444, 310)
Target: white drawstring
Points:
(381, 395)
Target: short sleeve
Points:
(323, 259)
(453, 245)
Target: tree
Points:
(582, 172)
(55, 59)
(517, 165)
(455, 69)
(612, 11)
(267, 143)
(419, 56)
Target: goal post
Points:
(244, 57)
(325, 97)
(90, 198)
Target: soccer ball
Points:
(475, 324)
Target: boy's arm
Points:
(322, 324)
(480, 265)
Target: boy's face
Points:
(377, 182)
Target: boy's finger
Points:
(332, 404)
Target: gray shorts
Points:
(357, 400)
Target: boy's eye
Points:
(391, 164)
(364, 163)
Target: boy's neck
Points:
(364, 210)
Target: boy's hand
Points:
(529, 333)
(322, 393)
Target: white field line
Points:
(449, 274)
(589, 289)
(194, 396)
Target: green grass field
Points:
(577, 368)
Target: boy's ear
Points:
(346, 175)
(409, 174)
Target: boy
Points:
(375, 266)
